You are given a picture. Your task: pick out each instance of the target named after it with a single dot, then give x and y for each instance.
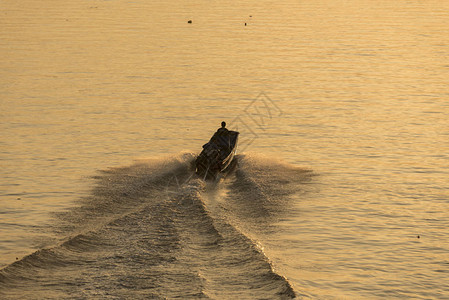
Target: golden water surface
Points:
(355, 90)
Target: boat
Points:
(217, 155)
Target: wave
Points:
(154, 230)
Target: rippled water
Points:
(341, 185)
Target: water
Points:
(341, 185)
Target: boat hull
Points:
(216, 159)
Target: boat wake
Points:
(154, 230)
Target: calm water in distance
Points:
(356, 91)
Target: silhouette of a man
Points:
(223, 130)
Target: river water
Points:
(340, 189)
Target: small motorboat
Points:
(217, 155)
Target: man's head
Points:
(223, 124)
